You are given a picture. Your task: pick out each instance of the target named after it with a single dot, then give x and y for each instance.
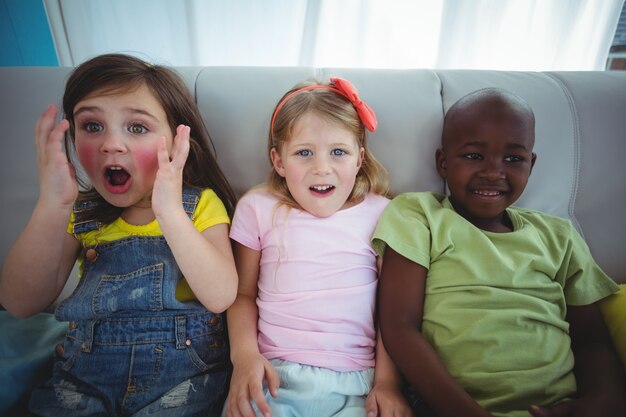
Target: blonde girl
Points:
(303, 324)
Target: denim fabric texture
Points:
(133, 349)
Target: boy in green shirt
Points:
(485, 307)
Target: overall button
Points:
(91, 255)
(60, 350)
(214, 320)
(72, 325)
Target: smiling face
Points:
(117, 136)
(319, 162)
(486, 160)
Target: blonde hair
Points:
(336, 109)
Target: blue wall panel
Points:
(25, 38)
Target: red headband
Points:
(346, 89)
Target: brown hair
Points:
(112, 73)
(336, 109)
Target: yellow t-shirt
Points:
(210, 211)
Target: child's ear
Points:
(277, 162)
(532, 161)
(440, 161)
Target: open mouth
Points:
(322, 189)
(116, 176)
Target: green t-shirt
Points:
(496, 302)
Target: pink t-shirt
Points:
(317, 282)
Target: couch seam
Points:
(195, 85)
(571, 208)
(443, 115)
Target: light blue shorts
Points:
(310, 391)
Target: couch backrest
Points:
(581, 135)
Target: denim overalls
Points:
(132, 348)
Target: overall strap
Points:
(191, 197)
(85, 222)
(83, 219)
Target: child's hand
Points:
(57, 176)
(167, 189)
(611, 406)
(386, 400)
(563, 409)
(247, 384)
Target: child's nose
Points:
(322, 165)
(112, 143)
(493, 169)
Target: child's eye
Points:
(92, 127)
(513, 158)
(474, 156)
(137, 129)
(338, 152)
(304, 152)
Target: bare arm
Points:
(250, 367)
(39, 263)
(599, 373)
(206, 258)
(402, 287)
(386, 398)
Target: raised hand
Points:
(57, 176)
(167, 190)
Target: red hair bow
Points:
(346, 89)
(349, 91)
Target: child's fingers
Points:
(50, 143)
(45, 125)
(273, 380)
(72, 171)
(256, 393)
(163, 155)
(46, 120)
(58, 133)
(561, 409)
(371, 406)
(180, 150)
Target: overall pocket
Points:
(141, 289)
(208, 353)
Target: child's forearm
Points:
(385, 371)
(423, 369)
(205, 259)
(39, 263)
(401, 294)
(243, 319)
(599, 374)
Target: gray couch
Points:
(581, 135)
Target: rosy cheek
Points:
(146, 160)
(87, 156)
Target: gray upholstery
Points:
(581, 135)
